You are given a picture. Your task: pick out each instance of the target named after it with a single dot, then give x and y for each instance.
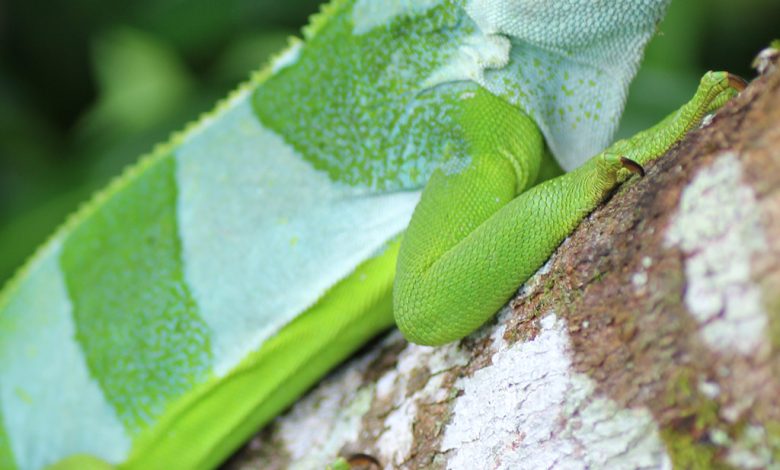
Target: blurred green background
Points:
(86, 86)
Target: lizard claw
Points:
(364, 460)
(632, 166)
(736, 82)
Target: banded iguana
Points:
(400, 164)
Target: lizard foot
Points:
(716, 88)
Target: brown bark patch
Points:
(621, 288)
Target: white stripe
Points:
(368, 14)
(568, 67)
(264, 235)
(51, 405)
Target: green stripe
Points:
(360, 111)
(7, 461)
(135, 317)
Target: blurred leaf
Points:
(27, 139)
(696, 36)
(145, 92)
(141, 81)
(669, 72)
(25, 233)
(248, 53)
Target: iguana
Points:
(212, 283)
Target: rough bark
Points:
(651, 339)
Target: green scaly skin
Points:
(477, 235)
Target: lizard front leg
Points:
(478, 234)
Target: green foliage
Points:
(696, 36)
(87, 86)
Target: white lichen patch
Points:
(753, 449)
(719, 229)
(710, 390)
(707, 121)
(530, 410)
(639, 280)
(395, 443)
(327, 419)
(766, 60)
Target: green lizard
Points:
(211, 284)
